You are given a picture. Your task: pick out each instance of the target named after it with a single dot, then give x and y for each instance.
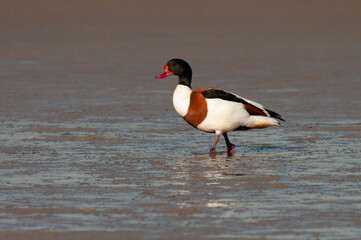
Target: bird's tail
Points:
(261, 122)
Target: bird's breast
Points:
(181, 99)
(197, 109)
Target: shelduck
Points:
(214, 110)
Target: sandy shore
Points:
(91, 147)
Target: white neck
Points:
(181, 98)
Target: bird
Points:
(214, 110)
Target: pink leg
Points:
(213, 148)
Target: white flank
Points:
(224, 116)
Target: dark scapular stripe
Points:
(217, 93)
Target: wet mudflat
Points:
(91, 148)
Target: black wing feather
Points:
(275, 115)
(217, 93)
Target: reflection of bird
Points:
(215, 110)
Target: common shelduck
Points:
(213, 110)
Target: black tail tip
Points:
(275, 115)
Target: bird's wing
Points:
(251, 107)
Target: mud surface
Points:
(91, 148)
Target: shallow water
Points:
(92, 148)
